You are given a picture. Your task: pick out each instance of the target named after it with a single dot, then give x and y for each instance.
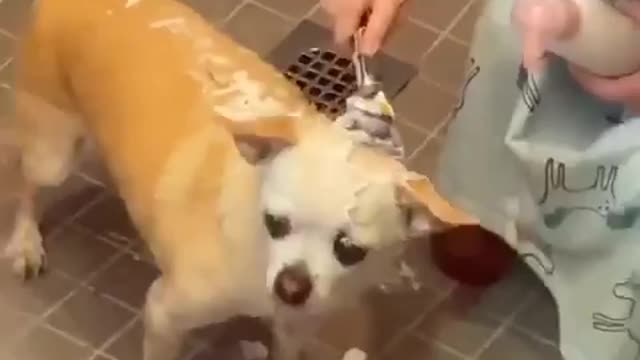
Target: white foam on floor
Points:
(354, 354)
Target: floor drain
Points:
(326, 78)
(306, 57)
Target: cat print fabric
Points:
(554, 171)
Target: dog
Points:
(251, 201)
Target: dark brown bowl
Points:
(472, 255)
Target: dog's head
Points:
(333, 209)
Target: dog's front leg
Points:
(290, 337)
(164, 333)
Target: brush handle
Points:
(589, 33)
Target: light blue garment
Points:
(557, 173)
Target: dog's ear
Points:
(261, 139)
(427, 210)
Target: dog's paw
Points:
(25, 250)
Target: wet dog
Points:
(250, 200)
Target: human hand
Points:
(347, 15)
(624, 89)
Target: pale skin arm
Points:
(346, 15)
(625, 89)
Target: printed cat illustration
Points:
(597, 195)
(627, 292)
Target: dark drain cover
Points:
(325, 78)
(306, 58)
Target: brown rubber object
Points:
(472, 255)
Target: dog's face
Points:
(335, 213)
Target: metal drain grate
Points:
(326, 78)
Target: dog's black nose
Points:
(293, 285)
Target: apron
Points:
(556, 173)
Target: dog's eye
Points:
(277, 226)
(347, 252)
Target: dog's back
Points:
(151, 84)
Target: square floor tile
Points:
(412, 136)
(14, 15)
(77, 252)
(214, 11)
(413, 348)
(128, 346)
(424, 104)
(127, 280)
(42, 343)
(258, 29)
(89, 317)
(425, 161)
(65, 201)
(7, 45)
(513, 344)
(409, 41)
(540, 316)
(12, 324)
(503, 298)
(418, 258)
(463, 30)
(437, 13)
(294, 9)
(458, 326)
(446, 65)
(378, 319)
(320, 17)
(109, 217)
(35, 296)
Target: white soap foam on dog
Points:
(248, 100)
(131, 3)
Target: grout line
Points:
(444, 34)
(67, 221)
(430, 136)
(57, 305)
(424, 25)
(540, 338)
(6, 63)
(273, 11)
(8, 34)
(503, 327)
(97, 353)
(416, 322)
(535, 336)
(441, 345)
(455, 93)
(117, 334)
(457, 21)
(90, 179)
(233, 12)
(66, 335)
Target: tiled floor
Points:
(88, 307)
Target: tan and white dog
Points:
(251, 201)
